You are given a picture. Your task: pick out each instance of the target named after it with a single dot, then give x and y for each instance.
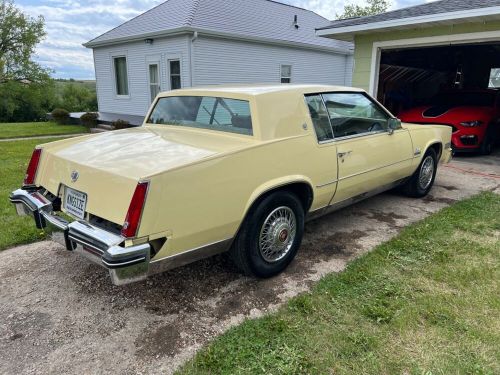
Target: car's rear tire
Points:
(420, 183)
(270, 235)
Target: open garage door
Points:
(412, 76)
(455, 85)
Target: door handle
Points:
(344, 153)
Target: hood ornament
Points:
(74, 176)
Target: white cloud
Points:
(70, 23)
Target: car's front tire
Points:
(487, 144)
(270, 235)
(420, 183)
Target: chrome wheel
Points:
(277, 234)
(426, 172)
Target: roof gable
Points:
(258, 19)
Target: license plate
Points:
(75, 202)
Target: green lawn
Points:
(31, 129)
(426, 302)
(14, 158)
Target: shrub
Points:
(61, 116)
(89, 119)
(121, 124)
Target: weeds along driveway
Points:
(60, 314)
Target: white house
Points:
(184, 43)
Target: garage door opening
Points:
(409, 77)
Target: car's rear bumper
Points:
(125, 264)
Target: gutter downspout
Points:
(191, 56)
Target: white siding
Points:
(349, 70)
(220, 61)
(138, 54)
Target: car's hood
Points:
(445, 114)
(141, 152)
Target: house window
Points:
(175, 74)
(121, 78)
(286, 73)
(154, 80)
(494, 78)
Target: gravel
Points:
(60, 314)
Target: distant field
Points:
(89, 84)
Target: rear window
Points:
(205, 112)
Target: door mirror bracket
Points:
(393, 124)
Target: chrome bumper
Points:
(125, 264)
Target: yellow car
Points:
(228, 168)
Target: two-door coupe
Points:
(217, 169)
(474, 116)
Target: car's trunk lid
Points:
(108, 166)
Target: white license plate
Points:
(75, 202)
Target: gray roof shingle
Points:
(264, 19)
(437, 7)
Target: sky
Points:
(69, 23)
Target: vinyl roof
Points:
(257, 89)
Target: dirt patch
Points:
(157, 342)
(341, 244)
(448, 187)
(445, 200)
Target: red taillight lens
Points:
(29, 178)
(134, 213)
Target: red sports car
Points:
(473, 115)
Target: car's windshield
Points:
(464, 98)
(206, 112)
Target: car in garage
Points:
(232, 168)
(474, 116)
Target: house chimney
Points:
(295, 22)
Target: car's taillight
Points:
(29, 178)
(134, 212)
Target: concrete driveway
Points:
(60, 314)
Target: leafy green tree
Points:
(371, 8)
(26, 101)
(19, 35)
(77, 98)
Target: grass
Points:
(426, 302)
(14, 158)
(32, 129)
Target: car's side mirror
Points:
(393, 124)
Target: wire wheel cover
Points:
(277, 234)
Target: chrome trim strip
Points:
(85, 243)
(190, 256)
(311, 215)
(327, 183)
(119, 264)
(194, 249)
(374, 169)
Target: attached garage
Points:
(422, 56)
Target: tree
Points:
(76, 97)
(21, 102)
(19, 35)
(371, 8)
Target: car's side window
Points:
(353, 113)
(319, 117)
